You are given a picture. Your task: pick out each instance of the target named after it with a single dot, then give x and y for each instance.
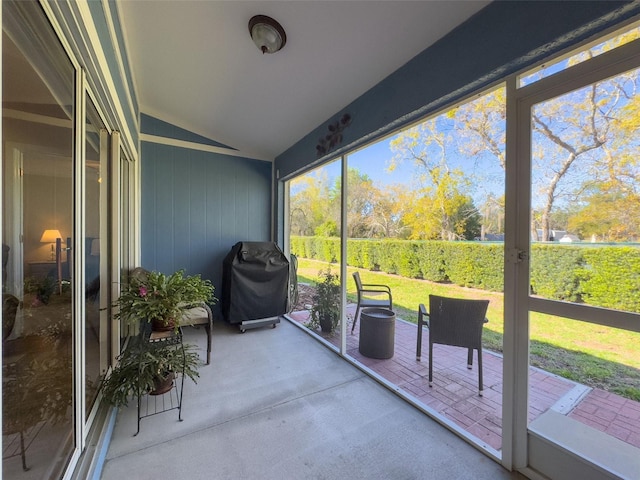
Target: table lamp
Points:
(50, 236)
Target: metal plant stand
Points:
(150, 404)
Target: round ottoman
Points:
(377, 332)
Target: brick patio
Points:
(454, 394)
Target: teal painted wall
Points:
(121, 79)
(154, 126)
(196, 205)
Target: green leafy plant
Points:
(142, 365)
(42, 287)
(35, 388)
(154, 296)
(325, 311)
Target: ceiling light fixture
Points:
(267, 34)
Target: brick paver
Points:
(610, 413)
(454, 394)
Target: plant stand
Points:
(151, 404)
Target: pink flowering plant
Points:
(155, 296)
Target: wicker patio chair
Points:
(368, 290)
(453, 321)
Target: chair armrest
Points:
(372, 289)
(423, 315)
(423, 318)
(205, 307)
(376, 288)
(368, 290)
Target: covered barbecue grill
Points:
(255, 285)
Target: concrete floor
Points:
(276, 404)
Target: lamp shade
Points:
(267, 34)
(50, 236)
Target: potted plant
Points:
(325, 310)
(144, 368)
(162, 299)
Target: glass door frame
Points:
(109, 228)
(518, 301)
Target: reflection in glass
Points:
(126, 259)
(96, 267)
(37, 161)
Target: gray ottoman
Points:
(377, 332)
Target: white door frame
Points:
(525, 447)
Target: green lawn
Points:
(591, 354)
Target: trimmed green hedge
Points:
(611, 277)
(607, 276)
(478, 265)
(431, 260)
(555, 271)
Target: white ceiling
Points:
(194, 64)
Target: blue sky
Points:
(482, 169)
(374, 160)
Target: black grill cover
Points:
(255, 282)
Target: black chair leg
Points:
(421, 323)
(470, 358)
(481, 385)
(419, 341)
(430, 363)
(208, 329)
(355, 318)
(23, 452)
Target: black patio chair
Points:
(368, 290)
(453, 321)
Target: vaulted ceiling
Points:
(195, 65)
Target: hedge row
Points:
(607, 276)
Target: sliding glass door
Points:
(38, 286)
(58, 230)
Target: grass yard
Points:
(593, 355)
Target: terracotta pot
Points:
(163, 385)
(161, 325)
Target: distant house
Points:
(568, 238)
(555, 236)
(494, 237)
